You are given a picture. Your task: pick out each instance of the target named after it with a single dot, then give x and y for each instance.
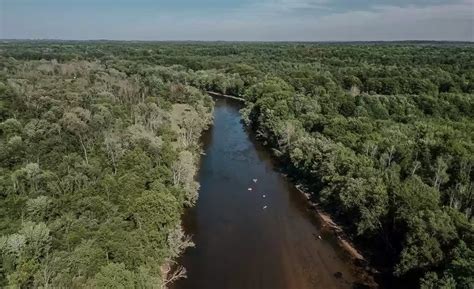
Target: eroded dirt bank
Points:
(251, 226)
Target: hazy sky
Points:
(306, 20)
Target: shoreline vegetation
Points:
(325, 218)
(359, 263)
(328, 222)
(217, 94)
(98, 164)
(382, 133)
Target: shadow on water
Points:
(254, 233)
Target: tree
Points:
(461, 267)
(155, 211)
(172, 274)
(432, 281)
(428, 232)
(115, 148)
(178, 242)
(37, 208)
(191, 125)
(114, 275)
(184, 170)
(368, 199)
(27, 179)
(76, 121)
(441, 176)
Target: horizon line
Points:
(233, 41)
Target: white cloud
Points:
(285, 5)
(281, 20)
(382, 22)
(437, 22)
(281, 7)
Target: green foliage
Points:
(433, 281)
(382, 134)
(87, 195)
(114, 276)
(98, 146)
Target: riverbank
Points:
(360, 264)
(260, 238)
(217, 94)
(343, 241)
(327, 223)
(190, 124)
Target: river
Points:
(252, 229)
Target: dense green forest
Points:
(99, 140)
(97, 165)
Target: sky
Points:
(238, 20)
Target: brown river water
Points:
(263, 238)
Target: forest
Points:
(100, 143)
(97, 165)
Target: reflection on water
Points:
(258, 238)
